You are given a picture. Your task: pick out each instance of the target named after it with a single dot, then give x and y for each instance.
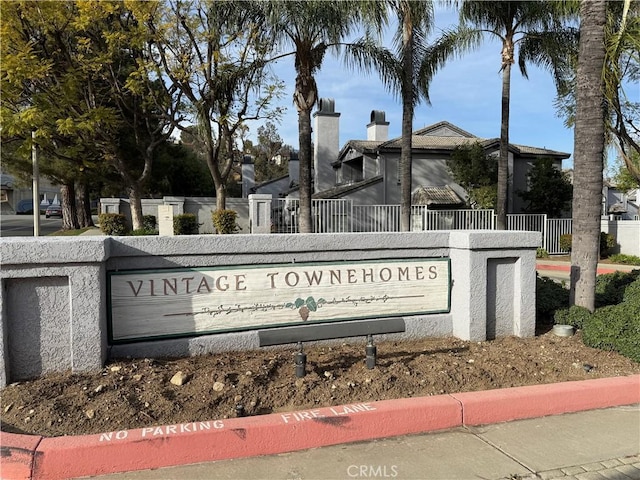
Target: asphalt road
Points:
(558, 276)
(22, 225)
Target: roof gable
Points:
(443, 129)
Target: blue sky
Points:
(466, 92)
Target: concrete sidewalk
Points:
(94, 231)
(591, 445)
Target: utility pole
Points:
(36, 186)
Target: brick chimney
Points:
(327, 144)
(378, 129)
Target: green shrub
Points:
(565, 242)
(625, 259)
(149, 222)
(185, 224)
(113, 223)
(144, 231)
(616, 328)
(602, 329)
(542, 253)
(610, 287)
(632, 291)
(607, 242)
(574, 315)
(550, 296)
(225, 221)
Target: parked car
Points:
(53, 211)
(25, 207)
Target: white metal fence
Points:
(339, 215)
(456, 219)
(556, 227)
(376, 218)
(327, 216)
(530, 223)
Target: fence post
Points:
(350, 224)
(260, 213)
(176, 202)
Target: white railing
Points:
(338, 215)
(327, 216)
(555, 228)
(528, 222)
(284, 215)
(376, 218)
(534, 222)
(456, 219)
(424, 219)
(331, 215)
(386, 218)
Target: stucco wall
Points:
(202, 207)
(627, 233)
(54, 304)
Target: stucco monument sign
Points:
(148, 304)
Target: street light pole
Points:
(36, 186)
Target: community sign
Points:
(145, 304)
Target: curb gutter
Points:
(35, 457)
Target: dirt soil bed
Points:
(140, 393)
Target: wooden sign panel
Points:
(186, 302)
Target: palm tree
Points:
(310, 28)
(589, 148)
(404, 72)
(535, 27)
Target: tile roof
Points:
(435, 195)
(423, 140)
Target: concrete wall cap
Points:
(53, 250)
(494, 239)
(276, 243)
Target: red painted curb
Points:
(556, 267)
(17, 453)
(25, 456)
(567, 268)
(154, 447)
(493, 406)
